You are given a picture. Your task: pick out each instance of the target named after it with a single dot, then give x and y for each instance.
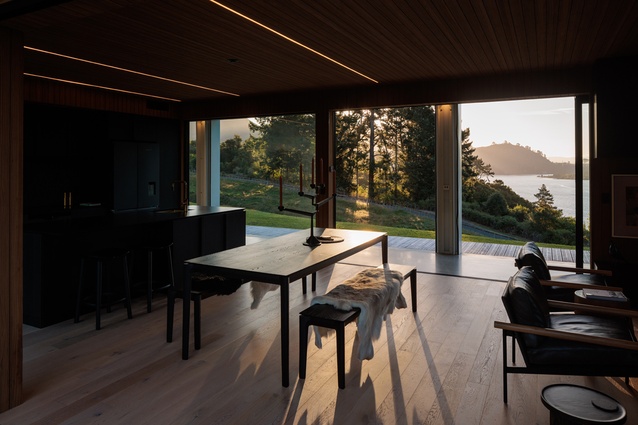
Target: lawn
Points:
(261, 200)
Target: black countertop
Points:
(78, 220)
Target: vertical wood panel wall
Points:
(11, 151)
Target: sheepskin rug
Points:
(376, 292)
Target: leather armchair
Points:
(598, 343)
(562, 286)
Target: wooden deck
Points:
(491, 249)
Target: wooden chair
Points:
(561, 287)
(600, 343)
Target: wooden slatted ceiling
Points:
(390, 41)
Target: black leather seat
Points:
(598, 344)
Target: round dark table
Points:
(573, 404)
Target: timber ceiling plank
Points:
(203, 44)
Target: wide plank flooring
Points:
(441, 365)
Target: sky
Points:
(543, 124)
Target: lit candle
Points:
(281, 196)
(300, 178)
(312, 167)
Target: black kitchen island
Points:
(52, 248)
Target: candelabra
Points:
(312, 240)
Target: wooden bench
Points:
(406, 271)
(326, 316)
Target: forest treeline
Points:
(388, 156)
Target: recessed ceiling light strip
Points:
(128, 70)
(292, 40)
(100, 87)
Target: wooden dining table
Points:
(280, 261)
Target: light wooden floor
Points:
(441, 365)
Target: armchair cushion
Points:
(552, 351)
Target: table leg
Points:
(285, 331)
(186, 310)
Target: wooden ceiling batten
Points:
(420, 32)
(402, 41)
(484, 26)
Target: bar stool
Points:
(165, 249)
(105, 261)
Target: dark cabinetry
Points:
(107, 159)
(206, 235)
(136, 175)
(52, 250)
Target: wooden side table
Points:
(573, 404)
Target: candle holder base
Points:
(312, 240)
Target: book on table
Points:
(604, 294)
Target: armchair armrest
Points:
(569, 336)
(567, 306)
(580, 270)
(576, 285)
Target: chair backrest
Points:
(531, 255)
(526, 304)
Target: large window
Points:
(518, 171)
(386, 171)
(525, 183)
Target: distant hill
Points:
(506, 159)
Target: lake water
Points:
(564, 191)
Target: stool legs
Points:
(340, 328)
(197, 312)
(341, 355)
(99, 286)
(79, 299)
(413, 288)
(98, 296)
(127, 290)
(149, 273)
(149, 285)
(170, 312)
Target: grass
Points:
(261, 201)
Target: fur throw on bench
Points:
(376, 292)
(214, 284)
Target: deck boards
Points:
(491, 249)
